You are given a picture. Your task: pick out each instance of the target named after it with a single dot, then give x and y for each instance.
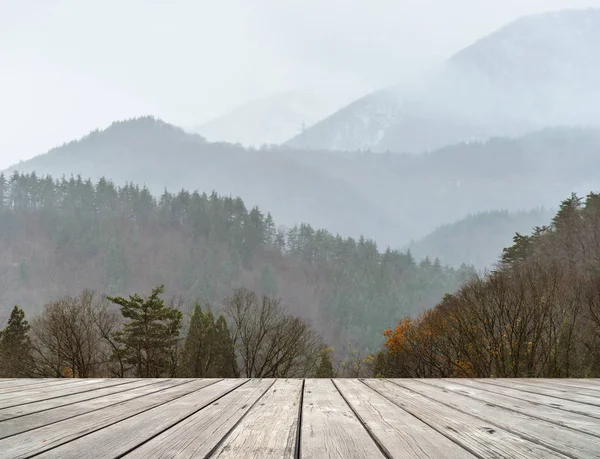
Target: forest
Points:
(65, 236)
(391, 198)
(83, 337)
(248, 298)
(536, 315)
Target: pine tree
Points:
(325, 368)
(208, 350)
(151, 337)
(15, 348)
(226, 363)
(268, 282)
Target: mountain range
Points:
(390, 198)
(479, 121)
(538, 71)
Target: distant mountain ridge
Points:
(390, 198)
(479, 238)
(538, 71)
(151, 152)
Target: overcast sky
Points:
(69, 66)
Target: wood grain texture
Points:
(22, 398)
(198, 435)
(559, 393)
(543, 400)
(39, 386)
(9, 383)
(573, 421)
(269, 418)
(330, 428)
(50, 436)
(400, 433)
(566, 441)
(574, 382)
(54, 403)
(480, 438)
(566, 387)
(16, 425)
(270, 427)
(126, 435)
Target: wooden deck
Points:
(291, 418)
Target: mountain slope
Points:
(390, 198)
(536, 72)
(159, 155)
(60, 237)
(479, 238)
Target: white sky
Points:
(69, 66)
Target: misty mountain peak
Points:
(537, 71)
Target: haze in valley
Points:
(358, 160)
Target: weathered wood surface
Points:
(293, 418)
(278, 409)
(329, 427)
(550, 435)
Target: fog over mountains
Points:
(538, 71)
(275, 118)
(508, 123)
(390, 198)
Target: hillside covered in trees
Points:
(59, 237)
(393, 198)
(537, 315)
(479, 238)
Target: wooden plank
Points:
(39, 384)
(568, 442)
(87, 411)
(550, 392)
(563, 385)
(126, 435)
(559, 404)
(36, 407)
(22, 398)
(330, 428)
(398, 432)
(469, 432)
(270, 428)
(44, 391)
(588, 383)
(34, 442)
(198, 435)
(537, 410)
(9, 383)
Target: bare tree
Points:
(269, 342)
(66, 339)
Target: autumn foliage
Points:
(536, 315)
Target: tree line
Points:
(61, 236)
(536, 315)
(144, 337)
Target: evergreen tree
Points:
(226, 363)
(268, 282)
(208, 350)
(15, 348)
(149, 340)
(325, 368)
(116, 267)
